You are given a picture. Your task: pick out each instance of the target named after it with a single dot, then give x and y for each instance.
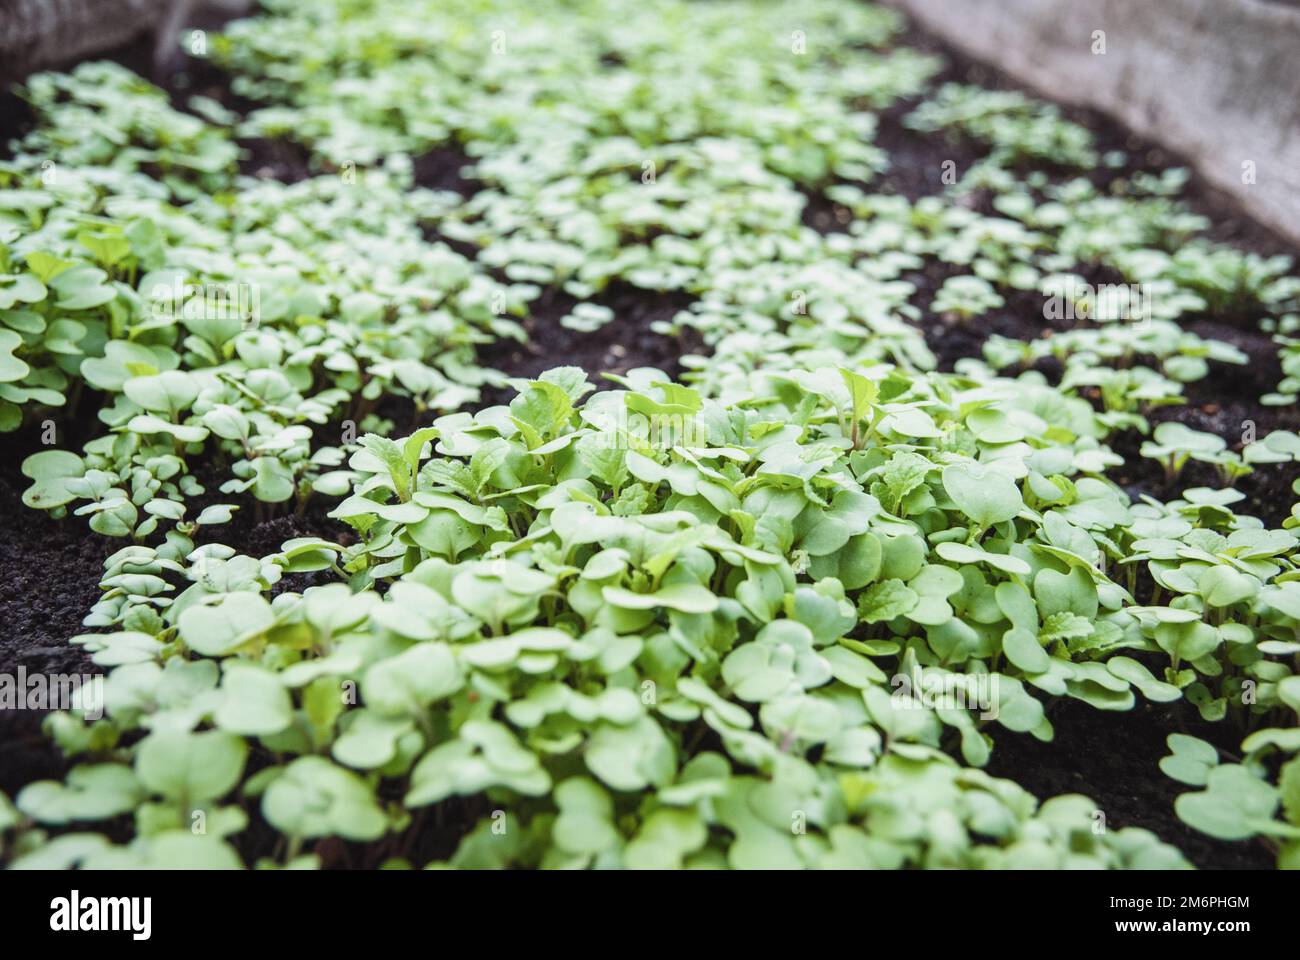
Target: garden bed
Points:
(1032, 194)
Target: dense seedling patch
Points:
(631, 445)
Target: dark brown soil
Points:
(266, 159)
(952, 337)
(1225, 403)
(916, 167)
(622, 344)
(916, 160)
(260, 529)
(442, 168)
(823, 215)
(49, 579)
(281, 160)
(15, 119)
(1114, 759)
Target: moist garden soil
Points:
(49, 570)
